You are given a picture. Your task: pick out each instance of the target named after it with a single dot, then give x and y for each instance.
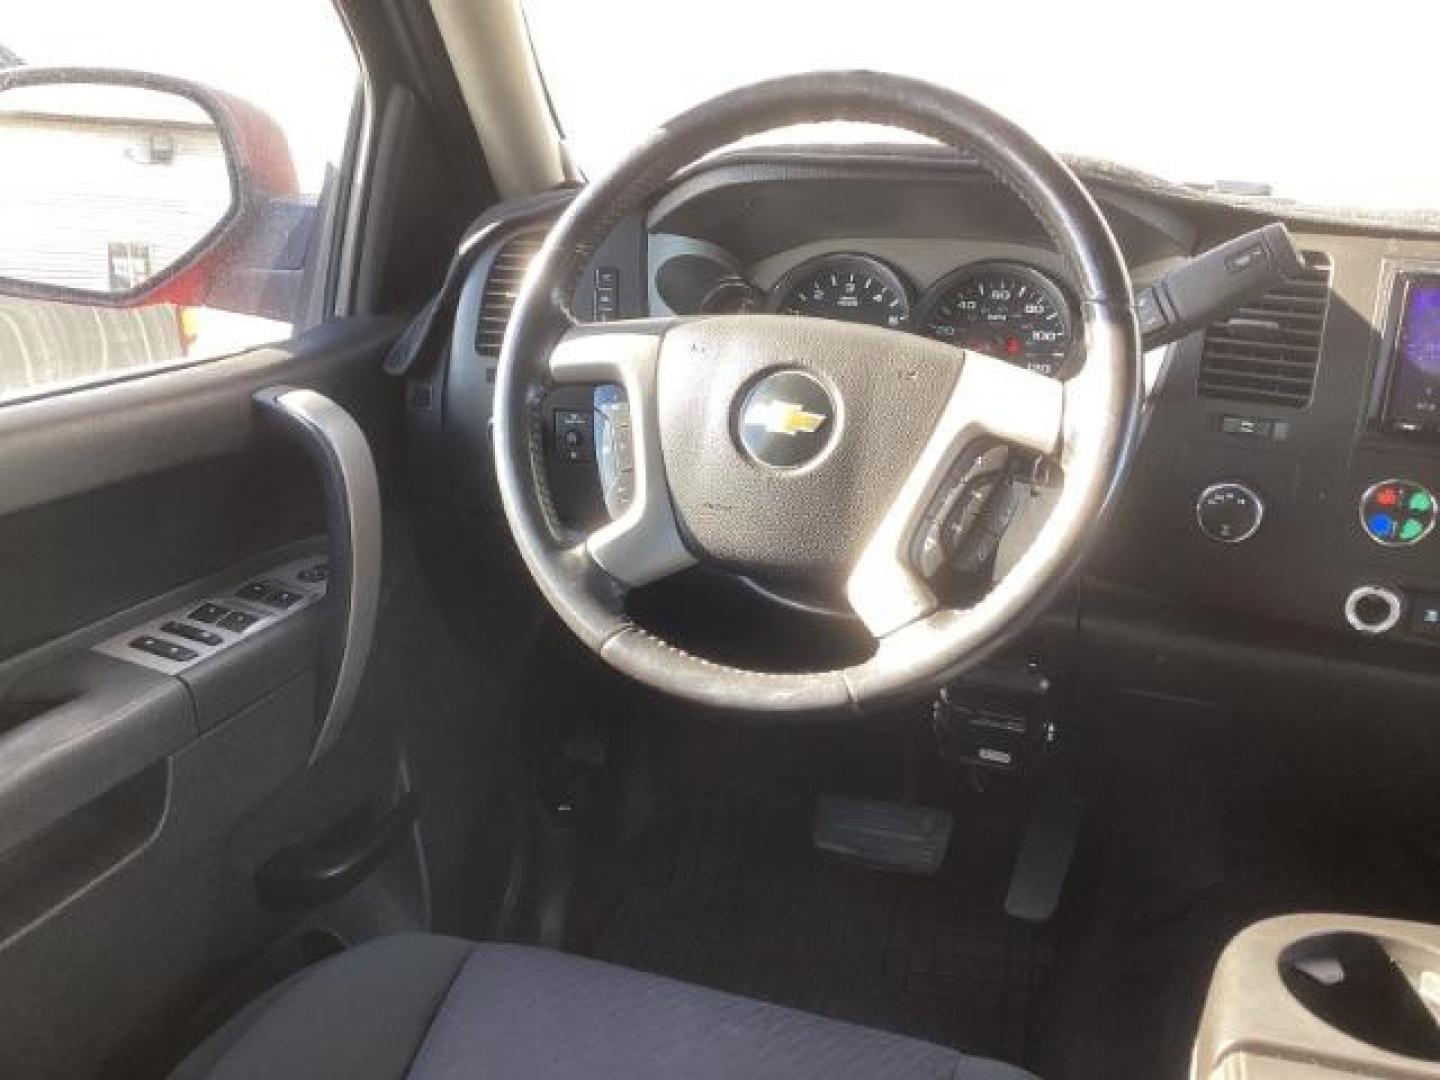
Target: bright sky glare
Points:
(1330, 103)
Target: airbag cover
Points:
(765, 478)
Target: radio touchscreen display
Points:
(1414, 403)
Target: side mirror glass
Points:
(112, 187)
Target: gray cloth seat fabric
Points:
(424, 1007)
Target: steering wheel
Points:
(788, 448)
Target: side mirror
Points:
(124, 188)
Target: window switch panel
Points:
(211, 623)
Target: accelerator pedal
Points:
(883, 835)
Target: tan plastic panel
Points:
(1254, 1029)
(1250, 1067)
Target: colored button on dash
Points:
(1398, 512)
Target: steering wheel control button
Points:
(166, 650)
(614, 449)
(1373, 610)
(787, 420)
(1229, 512)
(1397, 513)
(208, 613)
(573, 443)
(238, 622)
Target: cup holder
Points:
(1379, 990)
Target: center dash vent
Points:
(501, 288)
(1267, 351)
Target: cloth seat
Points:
(425, 1007)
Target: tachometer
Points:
(853, 288)
(1004, 309)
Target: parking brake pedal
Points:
(883, 835)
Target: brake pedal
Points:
(883, 835)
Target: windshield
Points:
(1324, 104)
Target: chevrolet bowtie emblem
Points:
(783, 417)
(787, 420)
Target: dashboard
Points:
(1289, 468)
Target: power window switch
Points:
(255, 590)
(238, 621)
(282, 598)
(166, 650)
(208, 613)
(191, 633)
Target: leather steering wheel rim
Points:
(1095, 415)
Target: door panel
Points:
(137, 806)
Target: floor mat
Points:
(731, 894)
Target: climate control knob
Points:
(1229, 512)
(1397, 513)
(1373, 610)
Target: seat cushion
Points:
(436, 1008)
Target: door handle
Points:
(353, 525)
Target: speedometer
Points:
(852, 288)
(1003, 309)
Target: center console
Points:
(1321, 997)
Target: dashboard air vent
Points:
(1267, 351)
(501, 288)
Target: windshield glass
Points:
(1327, 104)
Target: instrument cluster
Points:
(1000, 307)
(1004, 309)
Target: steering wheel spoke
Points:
(1008, 403)
(992, 401)
(643, 544)
(609, 352)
